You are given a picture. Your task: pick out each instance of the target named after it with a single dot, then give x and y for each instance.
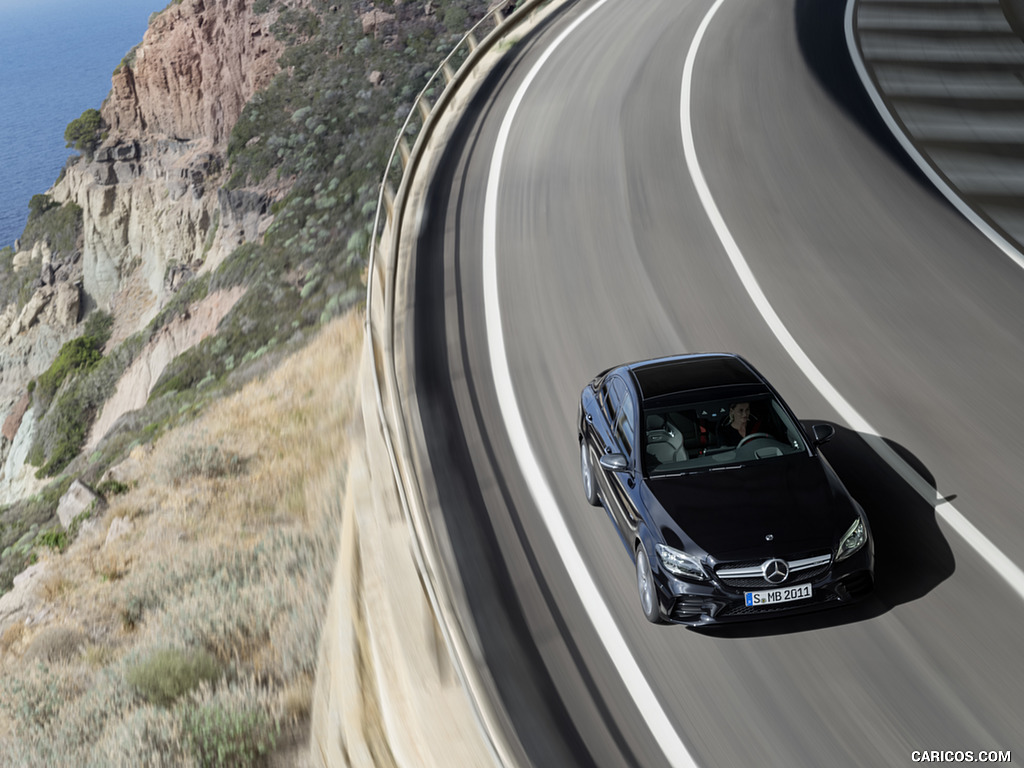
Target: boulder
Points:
(63, 310)
(119, 527)
(24, 596)
(375, 18)
(79, 497)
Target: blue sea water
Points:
(56, 61)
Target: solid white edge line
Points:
(1002, 564)
(590, 597)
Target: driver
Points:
(736, 426)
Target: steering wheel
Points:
(754, 436)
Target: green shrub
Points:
(67, 427)
(98, 326)
(60, 226)
(169, 673)
(64, 423)
(85, 133)
(76, 355)
(54, 538)
(223, 736)
(40, 204)
(111, 487)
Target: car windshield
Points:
(705, 435)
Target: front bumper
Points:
(699, 604)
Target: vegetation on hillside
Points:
(59, 227)
(194, 642)
(86, 133)
(195, 633)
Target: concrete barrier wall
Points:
(400, 681)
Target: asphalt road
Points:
(605, 253)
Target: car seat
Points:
(664, 442)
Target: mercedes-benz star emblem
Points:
(775, 571)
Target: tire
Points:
(587, 472)
(645, 587)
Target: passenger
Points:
(736, 426)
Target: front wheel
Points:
(645, 586)
(587, 471)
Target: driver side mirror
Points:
(614, 462)
(823, 433)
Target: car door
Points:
(602, 428)
(621, 487)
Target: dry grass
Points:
(226, 545)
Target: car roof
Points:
(691, 373)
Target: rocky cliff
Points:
(153, 211)
(150, 201)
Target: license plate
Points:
(780, 595)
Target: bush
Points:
(66, 427)
(54, 538)
(86, 132)
(55, 644)
(207, 461)
(76, 355)
(170, 673)
(98, 327)
(223, 736)
(40, 204)
(111, 487)
(58, 225)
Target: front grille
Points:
(749, 575)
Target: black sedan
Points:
(724, 501)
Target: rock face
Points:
(199, 63)
(53, 305)
(179, 335)
(153, 209)
(17, 478)
(150, 194)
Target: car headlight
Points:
(679, 563)
(852, 540)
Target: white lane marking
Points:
(908, 146)
(1003, 565)
(590, 597)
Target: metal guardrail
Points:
(380, 308)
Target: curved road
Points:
(604, 252)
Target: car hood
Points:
(775, 508)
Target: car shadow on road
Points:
(912, 556)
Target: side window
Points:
(625, 428)
(612, 394)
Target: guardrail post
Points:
(425, 108)
(404, 151)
